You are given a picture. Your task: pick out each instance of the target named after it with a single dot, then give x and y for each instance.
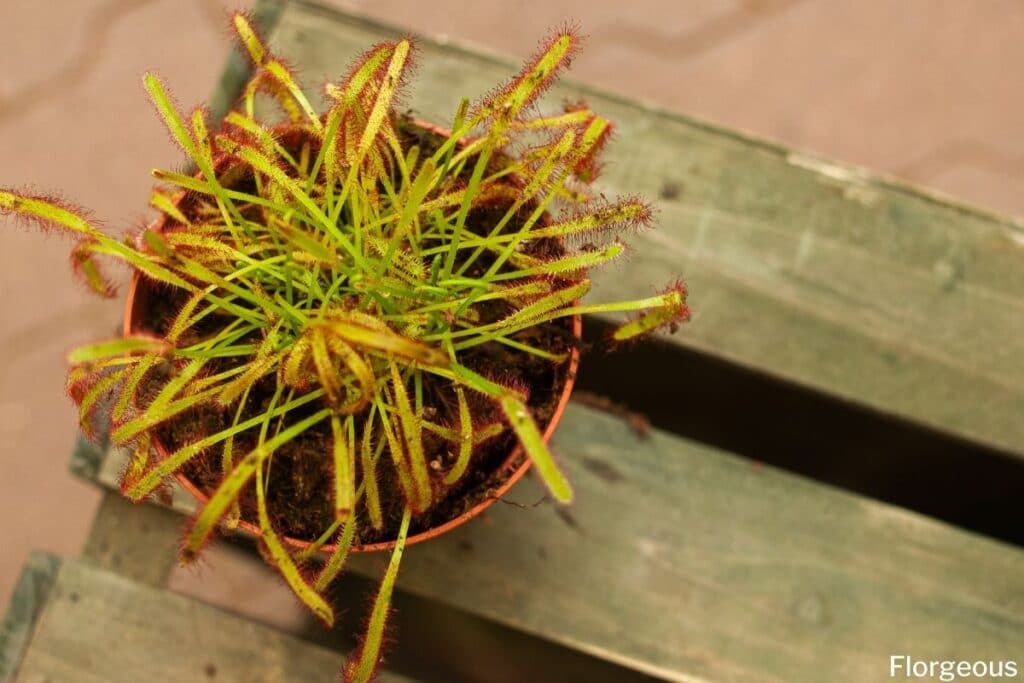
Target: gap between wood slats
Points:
(801, 430)
(428, 640)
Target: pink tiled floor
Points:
(924, 89)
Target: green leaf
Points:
(169, 113)
(86, 266)
(336, 561)
(128, 346)
(386, 341)
(519, 417)
(161, 202)
(398, 457)
(368, 461)
(284, 562)
(48, 212)
(671, 306)
(465, 440)
(382, 103)
(100, 387)
(261, 58)
(413, 441)
(535, 77)
(360, 370)
(251, 41)
(361, 667)
(260, 162)
(344, 470)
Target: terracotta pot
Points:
(135, 307)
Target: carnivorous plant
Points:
(327, 271)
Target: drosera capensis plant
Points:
(333, 280)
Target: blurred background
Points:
(917, 89)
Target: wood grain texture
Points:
(688, 563)
(811, 271)
(691, 564)
(135, 541)
(98, 627)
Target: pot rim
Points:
(131, 323)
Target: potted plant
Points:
(353, 330)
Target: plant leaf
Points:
(413, 441)
(344, 471)
(363, 663)
(522, 423)
(284, 562)
(127, 346)
(465, 439)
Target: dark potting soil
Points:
(300, 472)
(300, 475)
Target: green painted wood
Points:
(98, 627)
(808, 270)
(687, 563)
(691, 564)
(30, 594)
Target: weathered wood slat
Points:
(98, 627)
(133, 540)
(688, 563)
(821, 274)
(18, 624)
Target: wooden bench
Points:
(678, 561)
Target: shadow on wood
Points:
(804, 431)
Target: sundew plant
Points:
(326, 268)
